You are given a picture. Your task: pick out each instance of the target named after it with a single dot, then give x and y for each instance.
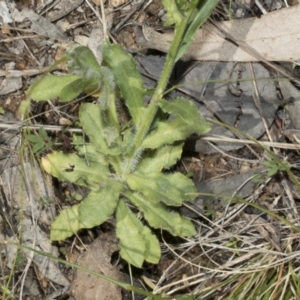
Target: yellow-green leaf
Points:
(157, 188)
(50, 86)
(66, 224)
(132, 243)
(98, 206)
(128, 79)
(72, 168)
(154, 161)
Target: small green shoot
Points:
(40, 142)
(273, 168)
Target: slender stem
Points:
(159, 91)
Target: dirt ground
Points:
(247, 211)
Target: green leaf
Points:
(154, 161)
(111, 135)
(132, 243)
(83, 62)
(89, 151)
(43, 134)
(272, 171)
(127, 78)
(72, 168)
(93, 124)
(24, 107)
(66, 224)
(168, 132)
(156, 187)
(152, 249)
(175, 11)
(38, 147)
(188, 228)
(72, 90)
(260, 178)
(159, 217)
(200, 14)
(50, 86)
(108, 85)
(184, 185)
(95, 78)
(98, 206)
(187, 111)
(32, 138)
(270, 163)
(153, 252)
(157, 214)
(111, 113)
(172, 189)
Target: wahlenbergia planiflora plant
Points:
(125, 166)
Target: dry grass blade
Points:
(235, 262)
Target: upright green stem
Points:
(159, 91)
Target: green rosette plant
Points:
(126, 166)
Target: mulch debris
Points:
(33, 34)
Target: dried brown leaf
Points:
(274, 37)
(97, 258)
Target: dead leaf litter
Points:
(247, 77)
